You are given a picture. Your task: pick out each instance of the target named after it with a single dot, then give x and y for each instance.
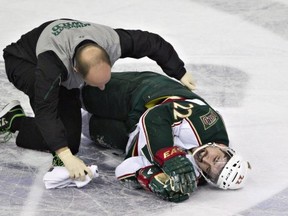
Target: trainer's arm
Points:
(49, 74)
(138, 44)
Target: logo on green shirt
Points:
(57, 29)
(209, 119)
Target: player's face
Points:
(99, 76)
(211, 161)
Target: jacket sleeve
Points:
(138, 44)
(157, 123)
(49, 73)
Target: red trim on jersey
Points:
(172, 99)
(135, 148)
(145, 133)
(175, 124)
(194, 131)
(126, 176)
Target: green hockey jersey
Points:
(166, 107)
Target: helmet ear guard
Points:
(234, 173)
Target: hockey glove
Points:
(153, 179)
(173, 161)
(74, 165)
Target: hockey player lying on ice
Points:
(173, 139)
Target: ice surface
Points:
(237, 51)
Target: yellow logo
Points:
(171, 152)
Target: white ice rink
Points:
(238, 53)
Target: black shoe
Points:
(7, 115)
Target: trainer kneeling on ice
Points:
(176, 140)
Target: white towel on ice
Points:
(58, 177)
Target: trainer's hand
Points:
(74, 165)
(188, 81)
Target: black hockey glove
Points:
(174, 163)
(153, 179)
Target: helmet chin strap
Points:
(202, 147)
(225, 149)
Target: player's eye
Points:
(202, 155)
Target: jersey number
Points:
(181, 111)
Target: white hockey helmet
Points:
(233, 174)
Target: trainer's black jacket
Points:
(52, 46)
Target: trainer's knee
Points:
(25, 141)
